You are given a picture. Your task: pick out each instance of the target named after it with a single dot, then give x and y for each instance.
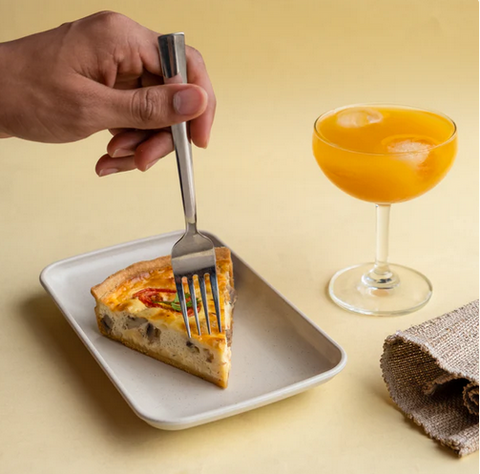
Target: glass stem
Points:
(380, 276)
(381, 255)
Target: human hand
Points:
(101, 72)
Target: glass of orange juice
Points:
(383, 154)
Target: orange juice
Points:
(384, 154)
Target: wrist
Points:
(8, 79)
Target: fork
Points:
(194, 253)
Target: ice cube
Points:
(412, 148)
(358, 117)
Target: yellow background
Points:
(275, 66)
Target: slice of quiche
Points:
(139, 307)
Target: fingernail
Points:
(188, 101)
(120, 153)
(149, 165)
(108, 171)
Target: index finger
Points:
(200, 127)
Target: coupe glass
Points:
(383, 154)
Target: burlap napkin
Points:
(431, 371)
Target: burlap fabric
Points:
(431, 371)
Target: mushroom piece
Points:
(193, 347)
(209, 355)
(107, 323)
(152, 333)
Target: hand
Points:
(101, 72)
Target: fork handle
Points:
(174, 69)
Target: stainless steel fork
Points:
(194, 253)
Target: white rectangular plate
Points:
(276, 351)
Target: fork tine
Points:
(201, 281)
(183, 304)
(193, 299)
(216, 300)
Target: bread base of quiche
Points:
(184, 353)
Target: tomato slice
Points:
(153, 291)
(147, 297)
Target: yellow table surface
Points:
(275, 66)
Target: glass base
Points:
(354, 290)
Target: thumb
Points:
(152, 107)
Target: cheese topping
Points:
(125, 298)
